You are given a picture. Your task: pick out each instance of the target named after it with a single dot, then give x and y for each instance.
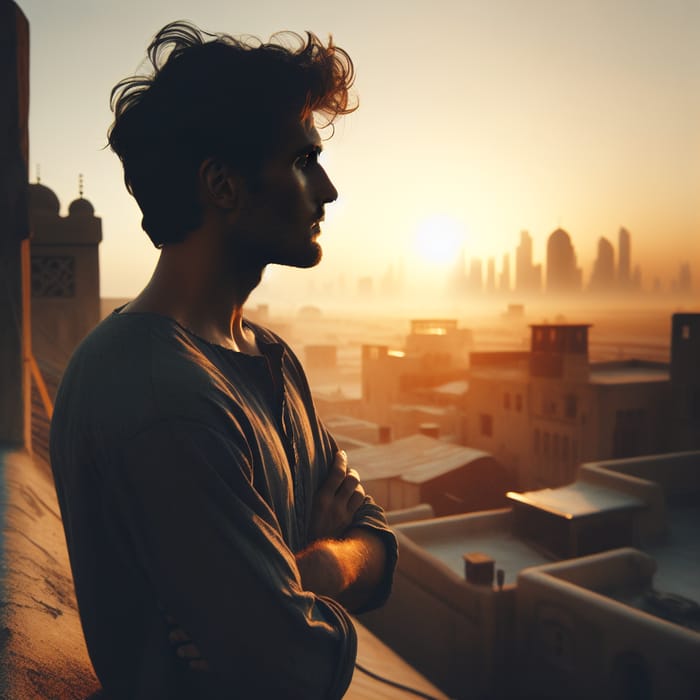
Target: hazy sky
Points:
(477, 120)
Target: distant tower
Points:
(624, 260)
(457, 280)
(559, 351)
(562, 273)
(637, 278)
(603, 277)
(685, 280)
(65, 272)
(476, 282)
(491, 276)
(504, 281)
(527, 275)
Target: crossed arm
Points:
(342, 562)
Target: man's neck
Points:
(200, 296)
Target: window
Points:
(570, 406)
(536, 441)
(545, 444)
(506, 401)
(518, 403)
(53, 276)
(486, 424)
(685, 332)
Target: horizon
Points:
(498, 119)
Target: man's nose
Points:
(327, 190)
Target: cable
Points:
(396, 684)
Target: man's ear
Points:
(219, 185)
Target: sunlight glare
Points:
(438, 239)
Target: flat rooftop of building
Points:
(415, 459)
(577, 500)
(632, 373)
(340, 423)
(489, 532)
(456, 388)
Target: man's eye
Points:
(306, 160)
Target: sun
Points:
(438, 239)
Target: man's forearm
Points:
(347, 570)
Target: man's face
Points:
(279, 221)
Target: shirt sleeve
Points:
(370, 516)
(213, 552)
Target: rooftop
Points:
(628, 373)
(415, 459)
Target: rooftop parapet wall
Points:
(676, 473)
(651, 521)
(576, 642)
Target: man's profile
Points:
(199, 491)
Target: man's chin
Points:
(309, 257)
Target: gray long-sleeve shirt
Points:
(185, 474)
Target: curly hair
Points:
(213, 95)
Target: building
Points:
(603, 278)
(589, 590)
(421, 469)
(65, 272)
(563, 274)
(541, 413)
(436, 352)
(528, 277)
(624, 259)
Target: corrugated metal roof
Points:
(415, 459)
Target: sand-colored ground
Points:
(44, 655)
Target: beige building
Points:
(544, 412)
(436, 352)
(422, 469)
(65, 273)
(590, 590)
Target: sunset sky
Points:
(477, 120)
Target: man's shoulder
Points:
(134, 365)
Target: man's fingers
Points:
(356, 500)
(349, 484)
(336, 473)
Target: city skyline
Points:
(476, 121)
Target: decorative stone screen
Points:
(53, 276)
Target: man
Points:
(201, 497)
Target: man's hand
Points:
(336, 501)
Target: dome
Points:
(81, 207)
(42, 199)
(560, 235)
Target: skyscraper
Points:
(504, 280)
(476, 281)
(624, 259)
(528, 277)
(603, 277)
(491, 276)
(563, 275)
